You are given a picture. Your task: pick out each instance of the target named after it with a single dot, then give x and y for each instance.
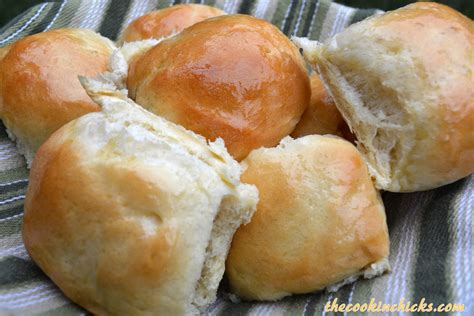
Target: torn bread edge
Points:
(121, 57)
(235, 209)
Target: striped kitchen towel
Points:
(431, 232)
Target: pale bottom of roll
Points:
(23, 149)
(373, 270)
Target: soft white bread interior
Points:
(118, 65)
(130, 214)
(404, 83)
(320, 223)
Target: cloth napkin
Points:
(431, 232)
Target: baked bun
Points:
(234, 76)
(319, 221)
(130, 214)
(404, 83)
(39, 89)
(322, 116)
(168, 21)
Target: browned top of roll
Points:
(234, 76)
(167, 21)
(319, 220)
(39, 89)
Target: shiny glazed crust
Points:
(39, 89)
(165, 22)
(234, 76)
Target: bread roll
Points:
(404, 83)
(130, 214)
(165, 22)
(39, 89)
(234, 76)
(319, 221)
(322, 116)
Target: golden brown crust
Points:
(3, 52)
(66, 195)
(130, 214)
(165, 22)
(39, 88)
(235, 77)
(318, 221)
(322, 116)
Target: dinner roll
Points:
(404, 83)
(234, 76)
(322, 116)
(319, 222)
(165, 22)
(39, 89)
(130, 214)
